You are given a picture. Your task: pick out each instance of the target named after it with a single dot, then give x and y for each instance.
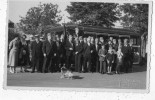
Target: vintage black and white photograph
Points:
(80, 45)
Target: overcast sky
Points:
(18, 8)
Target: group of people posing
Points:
(76, 53)
(96, 55)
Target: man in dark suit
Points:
(126, 56)
(49, 51)
(30, 51)
(69, 51)
(62, 50)
(79, 52)
(115, 48)
(83, 52)
(37, 54)
(87, 56)
(93, 55)
(57, 64)
(76, 53)
(96, 57)
(131, 55)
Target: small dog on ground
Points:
(66, 73)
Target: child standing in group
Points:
(102, 56)
(119, 60)
(110, 59)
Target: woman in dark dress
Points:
(24, 54)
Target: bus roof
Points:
(94, 30)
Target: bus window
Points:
(134, 41)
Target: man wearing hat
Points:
(49, 51)
(37, 55)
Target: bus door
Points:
(136, 49)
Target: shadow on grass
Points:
(77, 77)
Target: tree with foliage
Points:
(39, 17)
(135, 16)
(93, 14)
(12, 31)
(12, 34)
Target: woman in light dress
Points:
(13, 55)
(119, 60)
